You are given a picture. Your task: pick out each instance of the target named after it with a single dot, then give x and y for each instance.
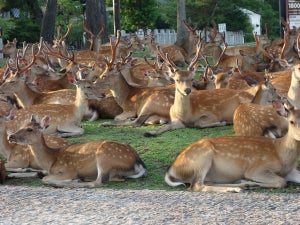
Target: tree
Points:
(95, 12)
(117, 20)
(48, 25)
(181, 16)
(138, 14)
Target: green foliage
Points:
(140, 14)
(70, 13)
(7, 25)
(25, 30)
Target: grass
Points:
(156, 152)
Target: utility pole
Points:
(117, 21)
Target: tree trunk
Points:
(117, 21)
(48, 24)
(181, 16)
(95, 12)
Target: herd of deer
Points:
(256, 89)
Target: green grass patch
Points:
(157, 153)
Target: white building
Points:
(254, 20)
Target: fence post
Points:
(1, 43)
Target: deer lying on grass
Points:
(19, 156)
(66, 118)
(136, 102)
(203, 108)
(177, 54)
(257, 120)
(100, 160)
(221, 164)
(261, 117)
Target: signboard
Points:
(293, 13)
(222, 27)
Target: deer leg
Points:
(264, 178)
(176, 124)
(293, 176)
(70, 131)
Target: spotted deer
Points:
(10, 49)
(66, 118)
(231, 163)
(203, 108)
(141, 103)
(175, 52)
(100, 161)
(20, 156)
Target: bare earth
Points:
(45, 205)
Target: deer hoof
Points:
(149, 134)
(106, 124)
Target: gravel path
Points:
(44, 205)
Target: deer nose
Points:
(187, 91)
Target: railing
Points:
(167, 36)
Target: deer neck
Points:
(261, 96)
(120, 89)
(43, 154)
(25, 95)
(5, 146)
(80, 103)
(288, 149)
(294, 91)
(181, 104)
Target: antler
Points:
(285, 40)
(57, 53)
(189, 27)
(264, 52)
(196, 57)
(113, 46)
(166, 58)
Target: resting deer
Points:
(136, 102)
(19, 156)
(203, 108)
(177, 54)
(66, 118)
(101, 161)
(229, 163)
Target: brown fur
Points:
(100, 161)
(216, 164)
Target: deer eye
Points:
(292, 122)
(29, 129)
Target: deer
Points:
(260, 120)
(19, 157)
(100, 161)
(141, 103)
(17, 84)
(176, 53)
(233, 163)
(66, 118)
(10, 49)
(202, 108)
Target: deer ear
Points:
(45, 122)
(34, 119)
(71, 78)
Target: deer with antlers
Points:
(66, 118)
(203, 108)
(141, 103)
(230, 163)
(100, 161)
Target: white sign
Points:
(222, 27)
